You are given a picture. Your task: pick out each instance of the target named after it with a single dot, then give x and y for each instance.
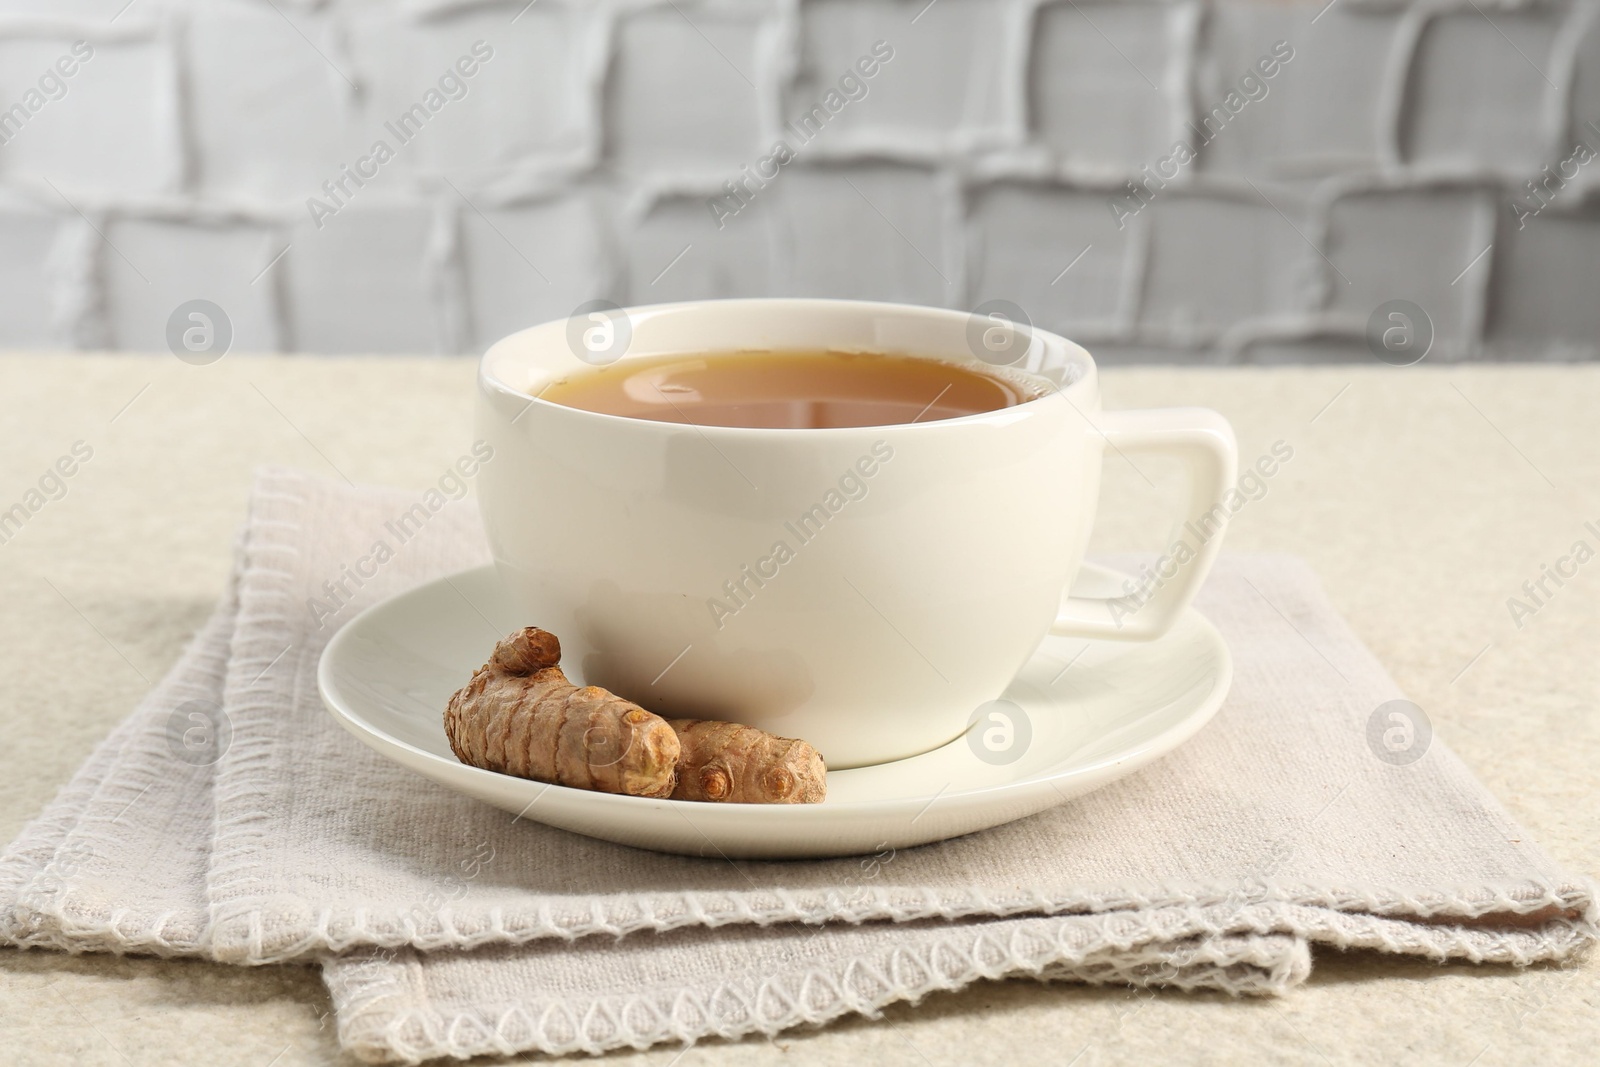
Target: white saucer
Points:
(1096, 710)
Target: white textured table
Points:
(1425, 497)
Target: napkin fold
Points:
(230, 817)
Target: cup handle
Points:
(1206, 440)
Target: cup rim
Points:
(1082, 385)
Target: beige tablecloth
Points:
(1424, 497)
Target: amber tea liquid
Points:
(788, 390)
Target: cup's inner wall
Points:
(527, 361)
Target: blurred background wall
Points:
(1339, 157)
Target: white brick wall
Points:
(1386, 160)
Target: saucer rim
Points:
(1139, 755)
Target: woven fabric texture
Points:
(445, 927)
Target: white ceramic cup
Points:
(867, 589)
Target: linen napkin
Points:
(230, 817)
